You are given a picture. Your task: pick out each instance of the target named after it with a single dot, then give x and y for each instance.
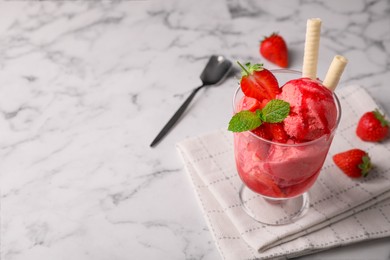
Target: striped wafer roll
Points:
(312, 42)
(335, 70)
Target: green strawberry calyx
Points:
(275, 111)
(365, 166)
(381, 117)
(274, 34)
(248, 69)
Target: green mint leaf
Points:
(260, 115)
(275, 111)
(244, 121)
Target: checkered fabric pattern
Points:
(342, 210)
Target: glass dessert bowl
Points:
(277, 176)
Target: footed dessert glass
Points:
(277, 176)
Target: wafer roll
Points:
(312, 42)
(335, 70)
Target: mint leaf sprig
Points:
(275, 111)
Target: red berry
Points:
(258, 83)
(355, 162)
(272, 131)
(263, 132)
(372, 127)
(277, 131)
(248, 103)
(274, 49)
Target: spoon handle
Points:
(175, 116)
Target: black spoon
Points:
(216, 70)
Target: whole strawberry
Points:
(355, 163)
(372, 127)
(274, 49)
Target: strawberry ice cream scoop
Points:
(313, 111)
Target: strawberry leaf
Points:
(365, 166)
(248, 69)
(381, 118)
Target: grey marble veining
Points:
(86, 85)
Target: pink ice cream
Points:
(288, 169)
(278, 170)
(313, 112)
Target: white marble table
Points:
(86, 85)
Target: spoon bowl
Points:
(216, 70)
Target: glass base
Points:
(273, 211)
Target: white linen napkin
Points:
(342, 210)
